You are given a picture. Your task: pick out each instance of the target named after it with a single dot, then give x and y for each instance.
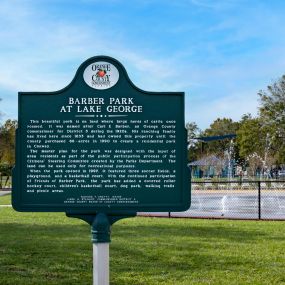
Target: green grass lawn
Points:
(5, 200)
(49, 248)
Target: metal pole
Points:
(101, 263)
(101, 229)
(259, 200)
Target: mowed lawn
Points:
(5, 200)
(49, 248)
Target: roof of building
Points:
(208, 160)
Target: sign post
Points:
(101, 237)
(101, 250)
(101, 149)
(101, 263)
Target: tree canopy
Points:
(7, 143)
(263, 136)
(220, 127)
(272, 116)
(193, 146)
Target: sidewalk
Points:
(5, 191)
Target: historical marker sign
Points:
(101, 145)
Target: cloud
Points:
(45, 56)
(204, 112)
(220, 62)
(213, 4)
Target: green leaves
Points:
(272, 115)
(7, 143)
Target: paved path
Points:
(5, 192)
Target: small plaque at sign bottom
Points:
(101, 144)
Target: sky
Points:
(219, 52)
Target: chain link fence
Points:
(258, 200)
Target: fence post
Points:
(259, 200)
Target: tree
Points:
(272, 115)
(255, 147)
(220, 127)
(255, 162)
(245, 117)
(1, 114)
(193, 145)
(250, 137)
(7, 143)
(192, 131)
(7, 149)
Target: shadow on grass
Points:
(148, 231)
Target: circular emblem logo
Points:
(101, 75)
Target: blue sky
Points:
(220, 53)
